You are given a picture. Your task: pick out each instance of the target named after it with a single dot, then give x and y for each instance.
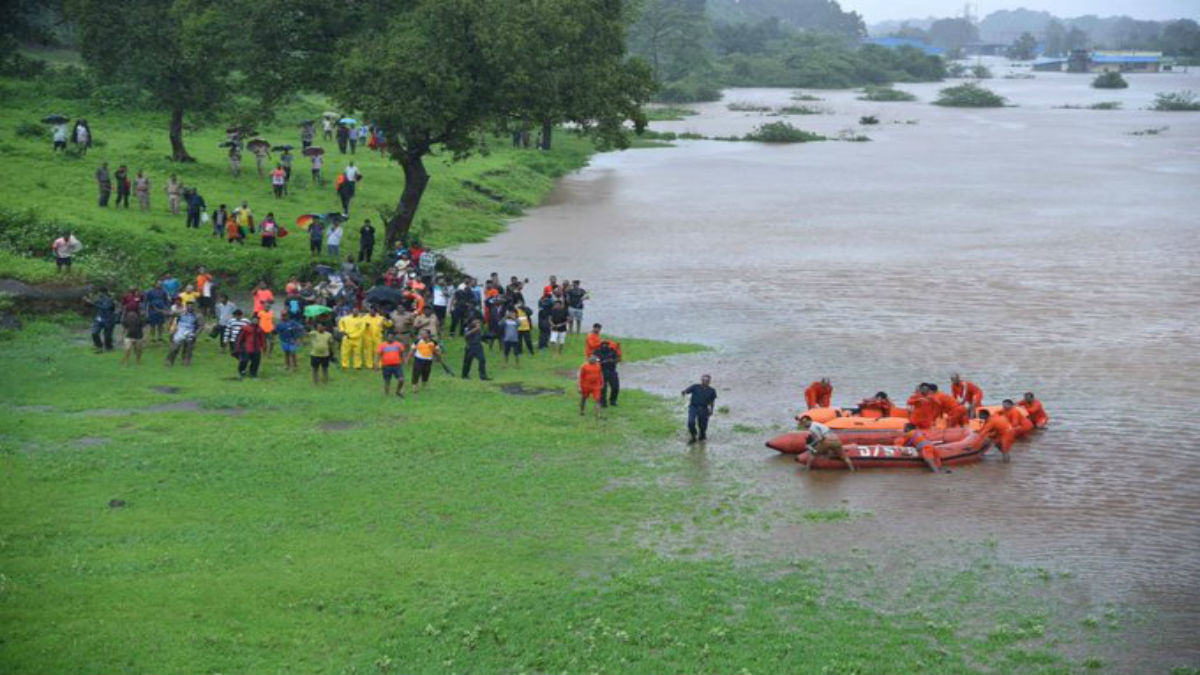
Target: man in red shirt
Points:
(391, 358)
(249, 346)
(591, 385)
(1037, 414)
(818, 394)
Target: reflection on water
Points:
(1030, 248)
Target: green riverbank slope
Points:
(43, 192)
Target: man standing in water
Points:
(700, 408)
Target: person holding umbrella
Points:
(306, 133)
(315, 156)
(262, 151)
(316, 235)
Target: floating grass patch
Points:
(781, 132)
(878, 93)
(746, 106)
(969, 95)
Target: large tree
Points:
(442, 73)
(953, 33)
(672, 36)
(178, 50)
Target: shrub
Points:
(31, 130)
(886, 93)
(690, 90)
(667, 114)
(1176, 101)
(980, 72)
(782, 132)
(956, 69)
(1109, 81)
(805, 97)
(120, 97)
(969, 95)
(867, 120)
(71, 82)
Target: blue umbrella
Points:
(347, 120)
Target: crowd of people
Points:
(926, 407)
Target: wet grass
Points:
(460, 530)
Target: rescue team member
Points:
(879, 403)
(956, 414)
(591, 385)
(422, 357)
(966, 392)
(922, 409)
(391, 357)
(822, 443)
(592, 343)
(1019, 421)
(373, 336)
(352, 327)
(915, 438)
(320, 352)
(818, 394)
(609, 353)
(700, 407)
(1037, 414)
(997, 428)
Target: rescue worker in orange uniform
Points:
(818, 394)
(956, 413)
(592, 342)
(1019, 421)
(997, 428)
(923, 411)
(915, 438)
(591, 385)
(1037, 414)
(966, 392)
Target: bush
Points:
(743, 106)
(867, 120)
(805, 97)
(31, 130)
(885, 93)
(120, 97)
(801, 110)
(782, 132)
(1176, 101)
(1109, 81)
(980, 72)
(71, 82)
(667, 114)
(969, 95)
(956, 69)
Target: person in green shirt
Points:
(320, 353)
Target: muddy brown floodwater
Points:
(1030, 248)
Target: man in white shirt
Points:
(822, 442)
(65, 248)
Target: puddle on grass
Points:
(339, 425)
(174, 406)
(518, 389)
(166, 390)
(91, 441)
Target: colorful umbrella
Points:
(315, 310)
(347, 120)
(313, 150)
(54, 119)
(305, 220)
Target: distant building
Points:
(1124, 61)
(892, 42)
(985, 49)
(1079, 61)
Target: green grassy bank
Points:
(44, 192)
(273, 526)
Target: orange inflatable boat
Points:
(969, 448)
(794, 443)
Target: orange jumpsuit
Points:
(999, 429)
(818, 395)
(967, 392)
(956, 414)
(591, 380)
(917, 439)
(591, 344)
(925, 410)
(1037, 414)
(1020, 423)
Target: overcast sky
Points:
(882, 10)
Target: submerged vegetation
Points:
(1177, 101)
(668, 113)
(1100, 105)
(781, 132)
(969, 95)
(885, 93)
(1111, 80)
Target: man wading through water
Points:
(700, 408)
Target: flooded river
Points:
(1030, 248)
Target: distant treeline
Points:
(695, 48)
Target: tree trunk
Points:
(415, 180)
(547, 129)
(178, 152)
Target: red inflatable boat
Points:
(963, 451)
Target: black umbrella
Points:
(384, 296)
(313, 150)
(55, 119)
(283, 148)
(335, 217)
(227, 144)
(258, 143)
